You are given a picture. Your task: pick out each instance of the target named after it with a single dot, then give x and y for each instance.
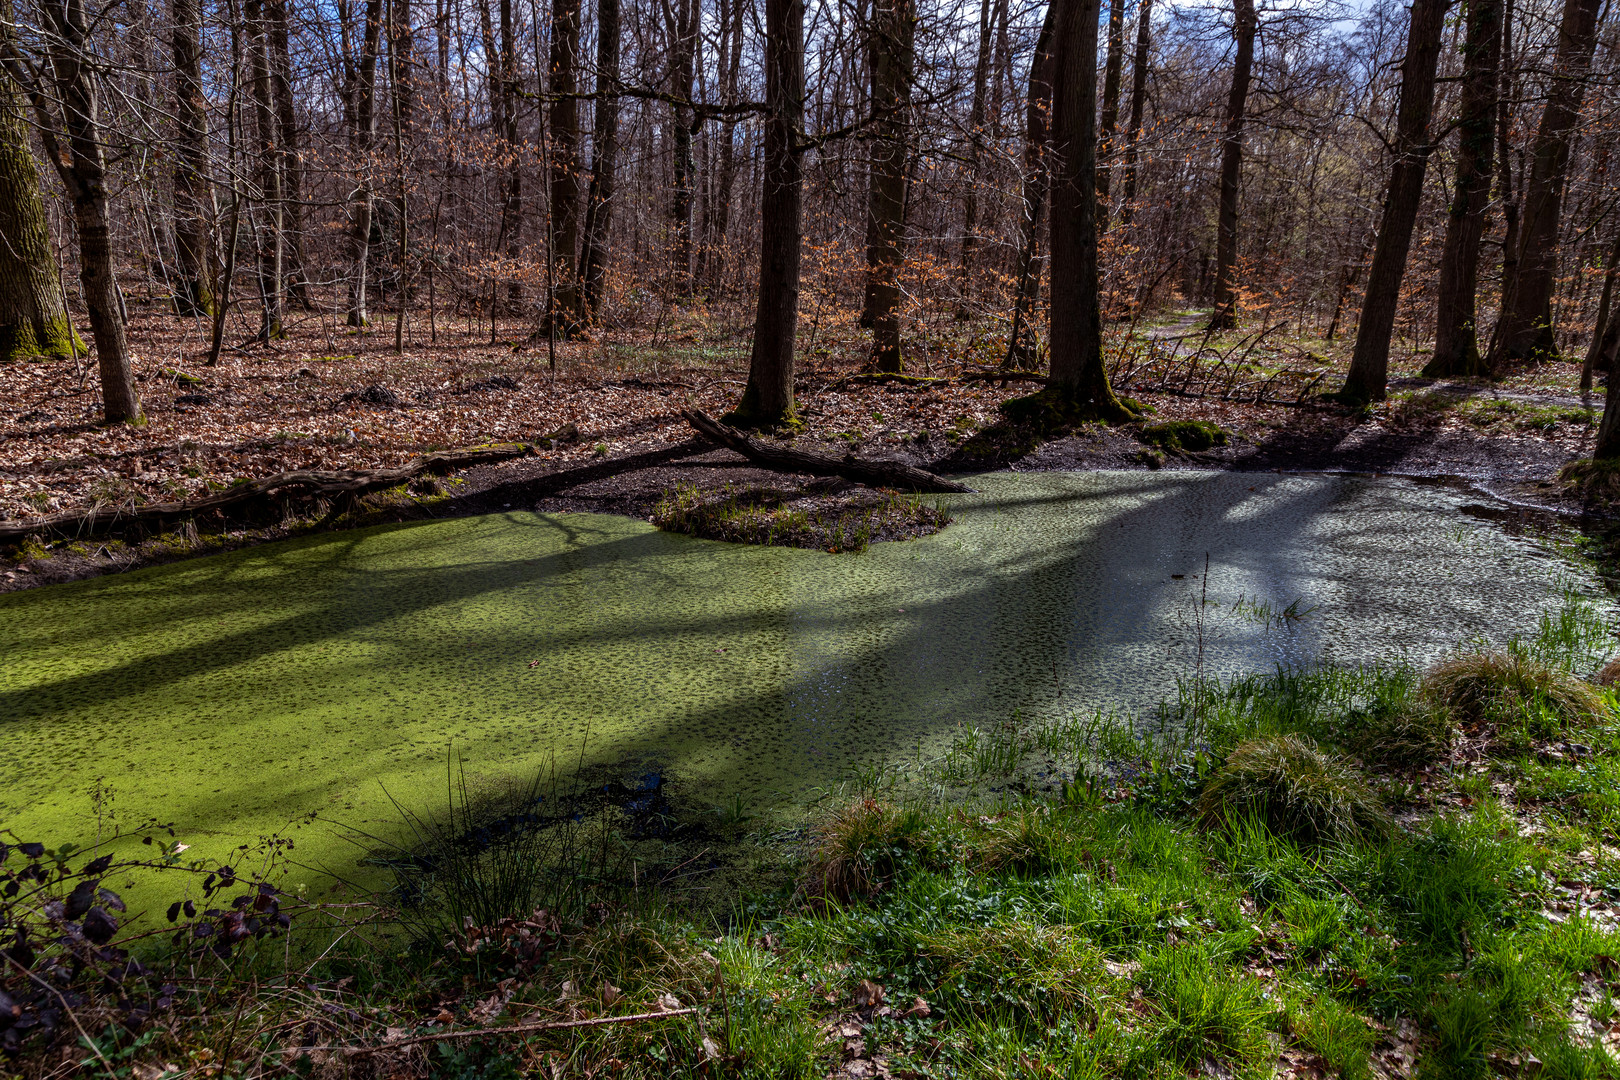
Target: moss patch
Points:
(1187, 436)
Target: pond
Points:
(235, 695)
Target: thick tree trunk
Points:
(289, 161)
(84, 172)
(564, 313)
(891, 45)
(1076, 331)
(362, 199)
(33, 317)
(270, 236)
(192, 201)
(970, 200)
(1133, 131)
(1369, 364)
(1526, 330)
(1456, 344)
(1113, 75)
(1226, 238)
(1021, 339)
(767, 400)
(604, 155)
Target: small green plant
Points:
(1297, 789)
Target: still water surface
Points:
(235, 694)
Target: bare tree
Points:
(604, 155)
(767, 400)
(1244, 27)
(892, 46)
(1525, 331)
(1076, 332)
(1456, 345)
(1369, 365)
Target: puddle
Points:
(236, 694)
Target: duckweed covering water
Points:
(236, 694)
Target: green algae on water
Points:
(239, 693)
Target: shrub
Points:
(1509, 687)
(1297, 789)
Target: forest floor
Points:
(334, 399)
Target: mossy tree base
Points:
(55, 339)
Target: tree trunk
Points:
(564, 313)
(1456, 344)
(891, 44)
(1601, 350)
(362, 199)
(83, 170)
(1226, 238)
(604, 154)
(270, 236)
(290, 163)
(970, 202)
(1076, 331)
(192, 200)
(1113, 75)
(1526, 330)
(1369, 364)
(1507, 95)
(726, 179)
(1020, 341)
(33, 316)
(767, 400)
(512, 196)
(681, 22)
(1133, 133)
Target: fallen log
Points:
(303, 483)
(537, 487)
(888, 474)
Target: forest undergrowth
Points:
(1360, 872)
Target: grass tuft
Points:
(1299, 790)
(857, 848)
(1512, 691)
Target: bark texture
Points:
(891, 52)
(33, 317)
(1369, 364)
(767, 400)
(1076, 333)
